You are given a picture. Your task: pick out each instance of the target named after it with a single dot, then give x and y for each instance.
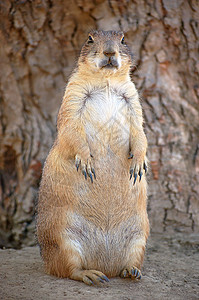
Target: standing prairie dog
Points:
(93, 224)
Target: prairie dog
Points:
(92, 220)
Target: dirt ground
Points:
(171, 271)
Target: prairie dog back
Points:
(92, 221)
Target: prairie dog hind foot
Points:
(90, 277)
(131, 272)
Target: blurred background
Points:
(39, 44)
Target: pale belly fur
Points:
(107, 128)
(106, 222)
(107, 123)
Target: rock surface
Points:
(170, 272)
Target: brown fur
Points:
(86, 228)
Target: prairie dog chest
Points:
(106, 114)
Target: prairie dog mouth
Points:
(109, 64)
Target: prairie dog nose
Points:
(109, 52)
(109, 49)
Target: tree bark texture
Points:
(40, 42)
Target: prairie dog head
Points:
(105, 51)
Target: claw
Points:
(77, 163)
(131, 173)
(101, 280)
(138, 274)
(93, 171)
(88, 281)
(90, 175)
(133, 272)
(77, 166)
(140, 174)
(135, 177)
(125, 273)
(84, 173)
(145, 167)
(130, 155)
(105, 278)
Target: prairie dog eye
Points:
(90, 39)
(122, 40)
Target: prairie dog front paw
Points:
(137, 155)
(137, 168)
(86, 166)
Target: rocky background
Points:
(39, 44)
